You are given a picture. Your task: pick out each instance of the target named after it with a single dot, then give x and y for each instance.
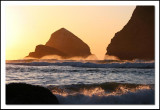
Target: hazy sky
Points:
(28, 26)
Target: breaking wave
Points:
(105, 93)
(91, 64)
(140, 97)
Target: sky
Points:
(28, 26)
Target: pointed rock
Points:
(64, 44)
(68, 43)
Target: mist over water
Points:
(57, 57)
(108, 57)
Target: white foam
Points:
(94, 65)
(140, 97)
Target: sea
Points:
(88, 81)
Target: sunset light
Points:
(80, 52)
(28, 26)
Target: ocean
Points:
(88, 81)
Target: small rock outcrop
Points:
(136, 39)
(42, 50)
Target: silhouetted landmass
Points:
(68, 43)
(42, 50)
(62, 43)
(136, 39)
(21, 93)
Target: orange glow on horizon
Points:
(29, 26)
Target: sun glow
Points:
(28, 26)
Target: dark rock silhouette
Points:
(136, 39)
(62, 43)
(68, 43)
(21, 93)
(42, 50)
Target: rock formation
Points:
(42, 50)
(62, 43)
(21, 93)
(68, 43)
(136, 39)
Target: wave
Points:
(105, 93)
(94, 64)
(140, 97)
(107, 86)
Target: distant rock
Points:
(42, 50)
(21, 93)
(68, 43)
(136, 39)
(64, 44)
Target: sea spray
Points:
(138, 95)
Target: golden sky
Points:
(28, 26)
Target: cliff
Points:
(136, 39)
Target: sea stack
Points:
(64, 44)
(68, 43)
(136, 39)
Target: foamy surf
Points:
(88, 82)
(90, 64)
(114, 93)
(139, 97)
